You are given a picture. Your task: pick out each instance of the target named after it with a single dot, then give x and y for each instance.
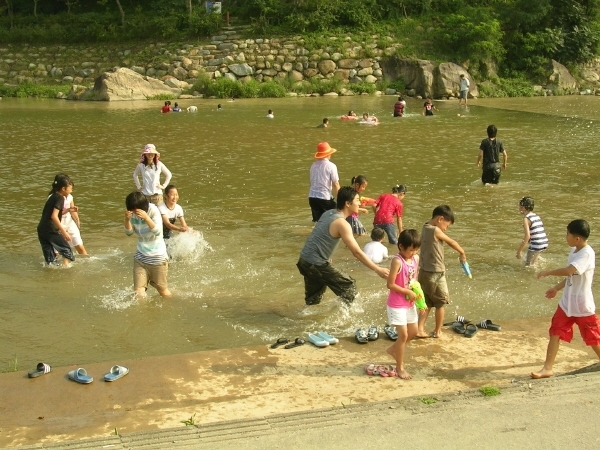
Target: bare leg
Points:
(596, 349)
(551, 352)
(421, 326)
(396, 350)
(439, 320)
(81, 249)
(165, 293)
(140, 293)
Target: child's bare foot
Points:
(404, 375)
(544, 373)
(421, 335)
(435, 334)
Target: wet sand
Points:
(255, 382)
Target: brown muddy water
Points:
(243, 183)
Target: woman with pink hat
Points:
(323, 178)
(150, 168)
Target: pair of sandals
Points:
(80, 375)
(372, 334)
(464, 326)
(381, 369)
(283, 341)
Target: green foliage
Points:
(507, 87)
(428, 400)
(188, 422)
(361, 88)
(271, 89)
(162, 97)
(12, 366)
(31, 90)
(489, 391)
(472, 35)
(227, 88)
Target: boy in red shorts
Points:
(577, 303)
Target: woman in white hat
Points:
(150, 169)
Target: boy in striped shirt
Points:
(534, 232)
(151, 262)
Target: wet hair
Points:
(168, 189)
(270, 111)
(176, 105)
(377, 234)
(409, 238)
(61, 180)
(325, 120)
(399, 189)
(527, 203)
(579, 227)
(400, 98)
(359, 179)
(445, 211)
(350, 113)
(136, 200)
(492, 131)
(345, 194)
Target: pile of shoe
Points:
(468, 329)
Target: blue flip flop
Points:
(329, 338)
(317, 340)
(80, 376)
(116, 372)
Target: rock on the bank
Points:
(125, 84)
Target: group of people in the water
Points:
(152, 213)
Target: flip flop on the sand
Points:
(318, 341)
(373, 333)
(460, 319)
(42, 369)
(470, 330)
(361, 336)
(488, 325)
(80, 376)
(116, 372)
(329, 338)
(391, 332)
(297, 343)
(459, 327)
(376, 369)
(280, 341)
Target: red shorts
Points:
(562, 326)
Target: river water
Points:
(243, 182)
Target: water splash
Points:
(188, 246)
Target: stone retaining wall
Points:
(227, 55)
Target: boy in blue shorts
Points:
(576, 305)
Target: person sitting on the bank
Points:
(314, 262)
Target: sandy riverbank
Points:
(253, 382)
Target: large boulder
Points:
(125, 84)
(560, 78)
(447, 81)
(416, 74)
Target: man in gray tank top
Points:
(314, 263)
